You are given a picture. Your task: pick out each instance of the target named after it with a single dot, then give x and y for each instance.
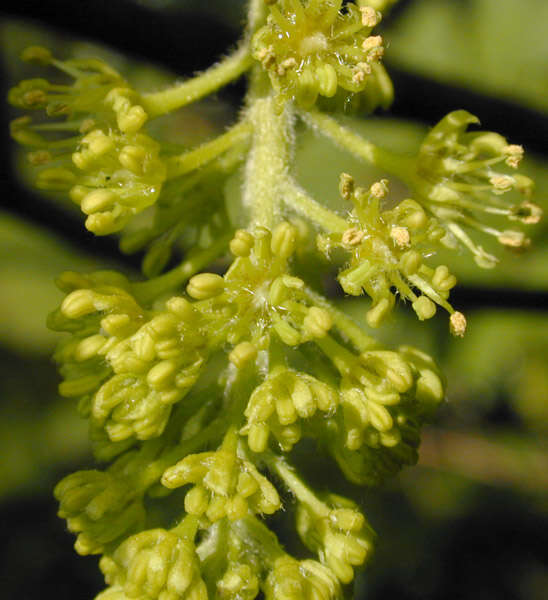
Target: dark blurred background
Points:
(471, 520)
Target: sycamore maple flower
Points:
(312, 48)
(388, 251)
(94, 148)
(457, 177)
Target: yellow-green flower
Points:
(342, 537)
(388, 252)
(94, 149)
(312, 48)
(467, 180)
(226, 485)
(154, 565)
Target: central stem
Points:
(267, 164)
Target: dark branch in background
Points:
(185, 42)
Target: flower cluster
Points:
(457, 177)
(154, 564)
(198, 384)
(385, 397)
(313, 48)
(225, 484)
(339, 534)
(127, 365)
(95, 148)
(280, 402)
(387, 251)
(102, 507)
(301, 580)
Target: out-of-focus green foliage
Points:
(498, 48)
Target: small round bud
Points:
(97, 201)
(38, 55)
(242, 354)
(205, 285)
(241, 243)
(78, 304)
(424, 307)
(317, 322)
(410, 262)
(284, 240)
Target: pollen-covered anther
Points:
(514, 239)
(514, 155)
(401, 236)
(373, 42)
(526, 212)
(457, 324)
(352, 237)
(502, 183)
(379, 189)
(288, 63)
(267, 56)
(346, 185)
(370, 16)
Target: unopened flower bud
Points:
(205, 285)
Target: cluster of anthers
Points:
(314, 49)
(457, 177)
(387, 251)
(198, 385)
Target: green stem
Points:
(303, 204)
(146, 291)
(398, 165)
(189, 161)
(345, 324)
(230, 68)
(266, 167)
(154, 471)
(301, 491)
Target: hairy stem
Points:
(146, 291)
(217, 76)
(193, 159)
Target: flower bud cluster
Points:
(457, 178)
(102, 507)
(147, 361)
(257, 296)
(239, 582)
(313, 48)
(383, 392)
(280, 402)
(154, 564)
(387, 251)
(385, 397)
(340, 535)
(107, 165)
(226, 485)
(301, 580)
